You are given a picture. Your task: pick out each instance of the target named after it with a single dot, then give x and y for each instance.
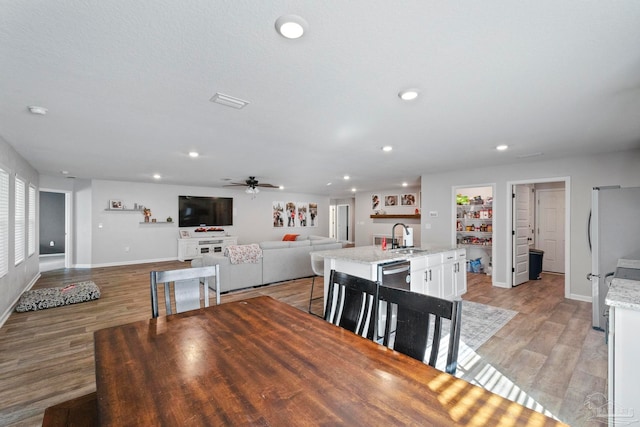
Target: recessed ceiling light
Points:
(387, 148)
(328, 183)
(34, 109)
(193, 154)
(404, 184)
(353, 190)
(291, 26)
(228, 101)
(346, 177)
(502, 147)
(281, 187)
(409, 94)
(156, 176)
(64, 172)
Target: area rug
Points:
(73, 293)
(480, 322)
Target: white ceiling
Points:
(127, 85)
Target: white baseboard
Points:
(501, 285)
(8, 312)
(579, 298)
(116, 264)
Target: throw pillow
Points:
(289, 237)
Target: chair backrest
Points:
(352, 303)
(186, 288)
(414, 313)
(317, 264)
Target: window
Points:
(19, 220)
(4, 223)
(32, 220)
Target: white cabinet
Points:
(442, 275)
(460, 272)
(624, 376)
(197, 246)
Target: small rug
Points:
(39, 299)
(480, 322)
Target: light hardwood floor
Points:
(547, 356)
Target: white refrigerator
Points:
(614, 233)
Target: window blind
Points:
(32, 221)
(4, 223)
(19, 220)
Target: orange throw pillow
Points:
(289, 237)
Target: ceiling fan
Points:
(252, 185)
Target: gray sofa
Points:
(280, 261)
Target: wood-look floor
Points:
(547, 353)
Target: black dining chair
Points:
(414, 313)
(352, 303)
(186, 289)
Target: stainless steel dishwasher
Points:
(396, 274)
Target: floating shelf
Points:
(157, 222)
(123, 210)
(396, 216)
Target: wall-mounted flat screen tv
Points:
(196, 211)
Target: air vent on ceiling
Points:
(229, 101)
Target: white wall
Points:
(585, 172)
(103, 238)
(367, 227)
(23, 275)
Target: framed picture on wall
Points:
(375, 202)
(391, 200)
(313, 214)
(184, 234)
(116, 204)
(408, 199)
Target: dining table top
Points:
(263, 362)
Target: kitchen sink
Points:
(409, 251)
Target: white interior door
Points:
(520, 208)
(342, 223)
(550, 228)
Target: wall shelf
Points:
(395, 216)
(123, 210)
(157, 222)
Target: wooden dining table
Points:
(262, 362)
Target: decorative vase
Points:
(146, 219)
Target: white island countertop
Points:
(375, 255)
(625, 293)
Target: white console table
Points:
(197, 246)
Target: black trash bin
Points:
(535, 264)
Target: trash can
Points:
(535, 264)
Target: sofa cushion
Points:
(289, 237)
(274, 244)
(299, 243)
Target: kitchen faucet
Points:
(393, 233)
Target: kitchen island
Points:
(436, 271)
(623, 299)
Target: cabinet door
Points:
(191, 250)
(448, 278)
(418, 280)
(460, 272)
(433, 281)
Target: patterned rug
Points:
(480, 322)
(39, 299)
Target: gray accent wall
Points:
(51, 223)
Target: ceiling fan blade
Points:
(267, 185)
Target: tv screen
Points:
(194, 211)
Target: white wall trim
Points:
(502, 285)
(12, 306)
(117, 264)
(579, 297)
